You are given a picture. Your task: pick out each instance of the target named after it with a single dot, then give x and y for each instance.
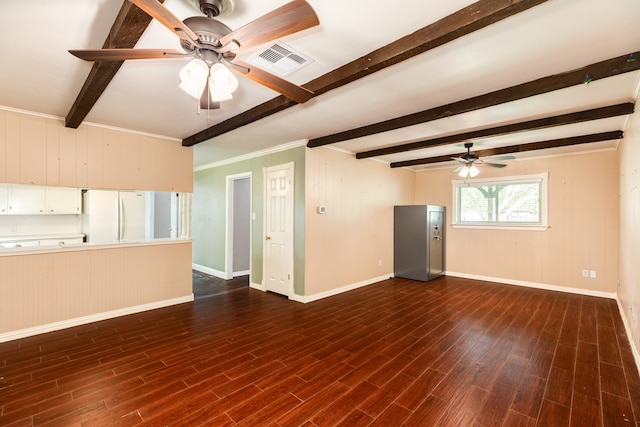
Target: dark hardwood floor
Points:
(452, 352)
(205, 285)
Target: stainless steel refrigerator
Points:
(113, 216)
(419, 242)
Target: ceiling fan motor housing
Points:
(213, 8)
(469, 156)
(209, 32)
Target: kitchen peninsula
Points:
(45, 285)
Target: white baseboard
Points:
(258, 287)
(309, 298)
(241, 273)
(610, 295)
(210, 271)
(627, 329)
(36, 330)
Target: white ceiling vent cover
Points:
(280, 59)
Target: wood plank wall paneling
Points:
(69, 168)
(82, 153)
(12, 147)
(33, 150)
(53, 152)
(95, 158)
(629, 279)
(353, 241)
(3, 144)
(45, 288)
(40, 150)
(39, 289)
(131, 160)
(583, 220)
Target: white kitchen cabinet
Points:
(4, 199)
(26, 199)
(16, 199)
(63, 200)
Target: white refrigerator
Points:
(113, 216)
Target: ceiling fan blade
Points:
(509, 157)
(285, 87)
(123, 54)
(295, 16)
(494, 165)
(165, 17)
(458, 169)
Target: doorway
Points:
(238, 226)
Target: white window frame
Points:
(542, 178)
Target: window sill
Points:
(503, 227)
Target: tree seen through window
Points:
(500, 203)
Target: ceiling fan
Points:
(213, 44)
(468, 161)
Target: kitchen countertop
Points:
(32, 237)
(32, 250)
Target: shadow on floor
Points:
(205, 285)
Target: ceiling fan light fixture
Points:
(196, 74)
(218, 94)
(222, 83)
(469, 171)
(193, 77)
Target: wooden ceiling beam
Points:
(547, 122)
(125, 32)
(599, 70)
(513, 149)
(465, 21)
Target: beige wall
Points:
(629, 291)
(583, 219)
(47, 288)
(38, 290)
(40, 150)
(344, 246)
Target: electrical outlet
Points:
(379, 263)
(14, 229)
(592, 274)
(585, 273)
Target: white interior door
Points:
(278, 243)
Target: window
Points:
(511, 202)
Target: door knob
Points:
(267, 238)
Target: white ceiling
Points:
(38, 74)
